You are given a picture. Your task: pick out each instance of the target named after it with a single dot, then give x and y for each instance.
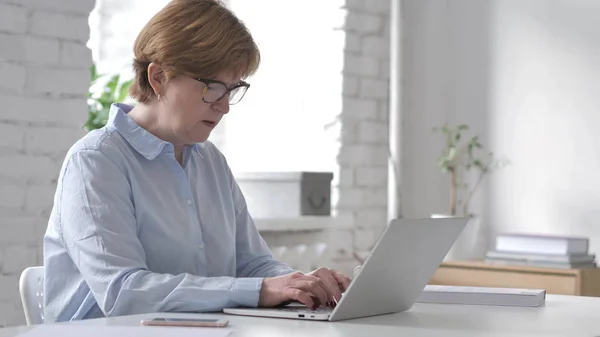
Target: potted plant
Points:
(113, 90)
(467, 164)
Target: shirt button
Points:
(189, 202)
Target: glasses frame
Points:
(207, 81)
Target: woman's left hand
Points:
(336, 282)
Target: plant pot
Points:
(470, 244)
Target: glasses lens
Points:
(213, 92)
(237, 94)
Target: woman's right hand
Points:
(310, 290)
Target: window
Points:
(114, 25)
(280, 123)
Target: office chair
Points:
(32, 294)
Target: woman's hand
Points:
(336, 282)
(320, 287)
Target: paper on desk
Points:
(482, 290)
(482, 296)
(123, 331)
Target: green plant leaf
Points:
(124, 91)
(443, 164)
(451, 153)
(111, 86)
(113, 90)
(94, 73)
(446, 129)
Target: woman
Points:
(147, 215)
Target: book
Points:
(541, 264)
(529, 257)
(541, 244)
(482, 296)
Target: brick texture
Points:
(44, 80)
(13, 18)
(360, 189)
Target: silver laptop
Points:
(392, 277)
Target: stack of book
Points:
(547, 251)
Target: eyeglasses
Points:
(215, 90)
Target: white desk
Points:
(560, 316)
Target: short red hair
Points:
(200, 38)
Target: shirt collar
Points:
(147, 144)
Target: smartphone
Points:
(187, 322)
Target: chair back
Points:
(31, 288)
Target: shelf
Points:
(305, 223)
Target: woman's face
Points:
(190, 117)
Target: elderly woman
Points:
(147, 214)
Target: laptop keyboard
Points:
(304, 310)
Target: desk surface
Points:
(559, 316)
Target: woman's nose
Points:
(222, 105)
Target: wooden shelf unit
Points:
(581, 282)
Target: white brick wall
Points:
(44, 79)
(361, 186)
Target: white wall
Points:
(545, 115)
(44, 79)
(524, 74)
(445, 60)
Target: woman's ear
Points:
(156, 78)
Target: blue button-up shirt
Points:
(133, 231)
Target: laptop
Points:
(391, 279)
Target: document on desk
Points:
(122, 331)
(483, 296)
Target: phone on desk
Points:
(186, 322)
